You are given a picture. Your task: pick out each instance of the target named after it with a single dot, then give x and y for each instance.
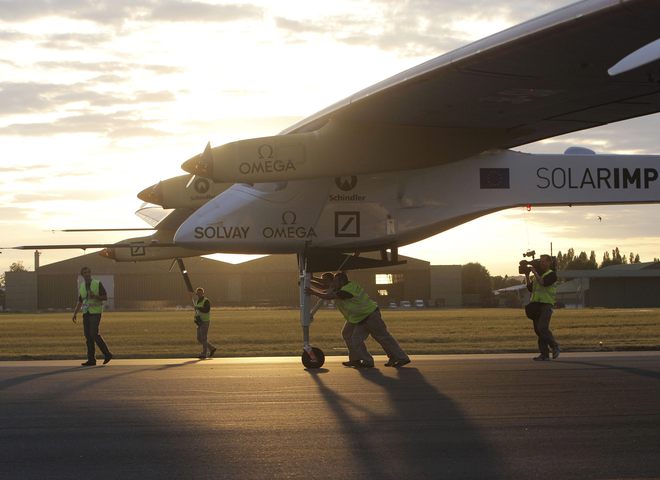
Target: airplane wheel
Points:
(309, 363)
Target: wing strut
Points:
(184, 274)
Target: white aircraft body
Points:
(426, 150)
(386, 210)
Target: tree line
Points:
(476, 278)
(14, 267)
(571, 261)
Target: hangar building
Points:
(634, 285)
(267, 281)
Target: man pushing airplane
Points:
(362, 319)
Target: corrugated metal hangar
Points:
(634, 285)
(267, 281)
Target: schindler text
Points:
(596, 178)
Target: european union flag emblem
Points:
(494, 178)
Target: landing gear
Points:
(318, 355)
(312, 357)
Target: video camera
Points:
(525, 266)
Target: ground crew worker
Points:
(203, 321)
(91, 295)
(363, 318)
(539, 309)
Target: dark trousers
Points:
(542, 329)
(355, 335)
(91, 325)
(202, 337)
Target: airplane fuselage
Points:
(376, 211)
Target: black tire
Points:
(307, 361)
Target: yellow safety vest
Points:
(91, 305)
(204, 317)
(357, 308)
(543, 294)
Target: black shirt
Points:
(206, 306)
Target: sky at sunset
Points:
(100, 99)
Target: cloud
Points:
(37, 197)
(26, 97)
(108, 67)
(114, 125)
(153, 97)
(34, 97)
(355, 30)
(23, 168)
(13, 36)
(117, 12)
(203, 12)
(11, 215)
(416, 27)
(31, 98)
(108, 78)
(113, 11)
(72, 41)
(633, 136)
(96, 99)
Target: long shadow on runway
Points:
(655, 374)
(432, 442)
(74, 427)
(12, 382)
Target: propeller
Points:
(201, 165)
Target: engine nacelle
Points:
(183, 191)
(337, 149)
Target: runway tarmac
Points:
(583, 416)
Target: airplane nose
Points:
(108, 253)
(201, 164)
(152, 194)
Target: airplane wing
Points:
(163, 221)
(539, 79)
(85, 246)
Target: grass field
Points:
(261, 332)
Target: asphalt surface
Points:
(583, 416)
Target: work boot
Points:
(401, 363)
(556, 352)
(363, 364)
(351, 363)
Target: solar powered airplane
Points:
(425, 150)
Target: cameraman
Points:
(539, 309)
